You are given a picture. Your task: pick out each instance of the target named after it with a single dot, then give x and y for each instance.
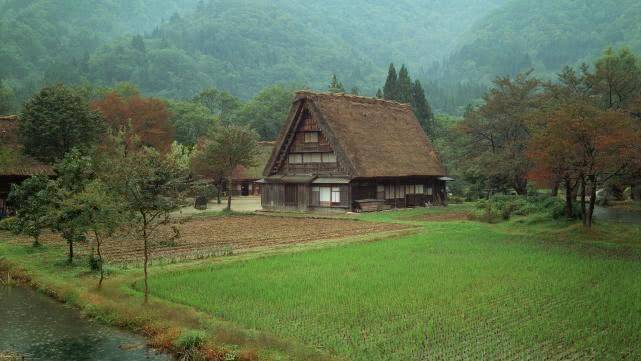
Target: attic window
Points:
(311, 137)
(329, 158)
(311, 157)
(295, 158)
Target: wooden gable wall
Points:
(308, 157)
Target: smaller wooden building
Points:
(14, 166)
(244, 180)
(342, 152)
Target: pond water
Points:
(40, 328)
(620, 215)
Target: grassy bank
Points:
(527, 288)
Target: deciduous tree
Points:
(616, 79)
(584, 144)
(147, 118)
(31, 201)
(267, 111)
(220, 103)
(102, 214)
(7, 99)
(56, 120)
(224, 149)
(73, 173)
(150, 186)
(497, 132)
(191, 121)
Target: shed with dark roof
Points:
(15, 167)
(375, 149)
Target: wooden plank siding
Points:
(283, 196)
(433, 191)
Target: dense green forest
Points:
(240, 47)
(47, 41)
(543, 35)
(177, 48)
(546, 35)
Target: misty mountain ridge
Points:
(185, 46)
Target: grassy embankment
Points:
(458, 288)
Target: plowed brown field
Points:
(222, 235)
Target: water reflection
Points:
(42, 329)
(620, 215)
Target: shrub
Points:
(188, 345)
(190, 339)
(9, 224)
(94, 263)
(487, 213)
(454, 199)
(505, 206)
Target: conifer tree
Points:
(421, 107)
(379, 93)
(390, 89)
(138, 43)
(403, 87)
(336, 86)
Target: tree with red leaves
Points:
(583, 145)
(145, 118)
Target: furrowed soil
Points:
(217, 236)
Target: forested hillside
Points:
(543, 35)
(239, 46)
(176, 48)
(42, 41)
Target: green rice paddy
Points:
(456, 290)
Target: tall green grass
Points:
(456, 290)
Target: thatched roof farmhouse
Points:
(345, 152)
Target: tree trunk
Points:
(584, 215)
(146, 250)
(555, 189)
(70, 260)
(36, 241)
(593, 180)
(102, 274)
(219, 189)
(569, 211)
(636, 192)
(520, 185)
(229, 194)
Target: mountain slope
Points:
(240, 46)
(38, 35)
(545, 35)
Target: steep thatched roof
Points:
(373, 137)
(12, 161)
(256, 172)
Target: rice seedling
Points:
(456, 290)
